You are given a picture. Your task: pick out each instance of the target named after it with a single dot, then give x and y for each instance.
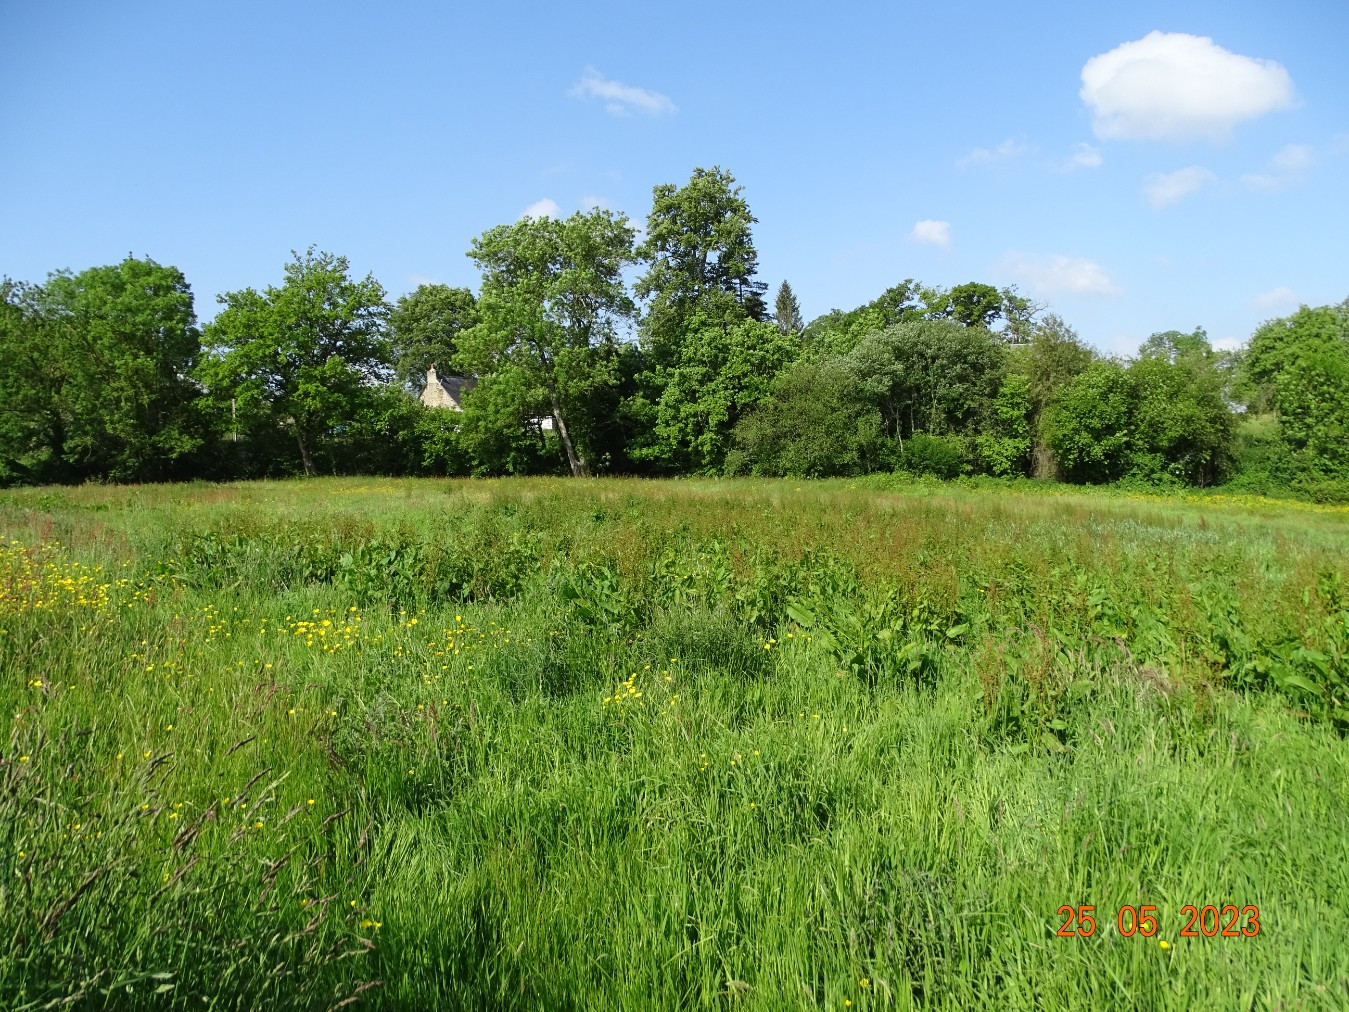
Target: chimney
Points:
(431, 373)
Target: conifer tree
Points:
(788, 312)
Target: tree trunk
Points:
(576, 462)
(304, 452)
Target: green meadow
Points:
(621, 744)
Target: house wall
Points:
(435, 395)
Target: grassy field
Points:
(642, 745)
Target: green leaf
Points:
(1291, 681)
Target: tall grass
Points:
(542, 744)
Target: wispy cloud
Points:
(1279, 298)
(1170, 85)
(1163, 189)
(544, 208)
(1084, 156)
(1059, 275)
(417, 280)
(932, 232)
(1007, 151)
(621, 99)
(1286, 168)
(591, 203)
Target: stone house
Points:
(446, 391)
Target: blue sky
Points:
(1196, 176)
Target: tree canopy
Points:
(424, 329)
(97, 368)
(700, 256)
(300, 357)
(584, 352)
(552, 300)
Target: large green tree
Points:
(303, 358)
(838, 332)
(1311, 395)
(1297, 368)
(721, 372)
(1052, 358)
(1277, 344)
(98, 365)
(932, 376)
(974, 304)
(813, 425)
(424, 330)
(552, 299)
(701, 259)
(1182, 423)
(32, 423)
(1088, 425)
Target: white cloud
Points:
(1059, 275)
(417, 280)
(544, 208)
(1293, 158)
(1169, 85)
(1084, 156)
(618, 98)
(1004, 152)
(591, 203)
(934, 233)
(1279, 298)
(1227, 343)
(1166, 188)
(1287, 167)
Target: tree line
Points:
(686, 370)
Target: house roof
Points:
(457, 386)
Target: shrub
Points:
(1005, 451)
(940, 456)
(1087, 427)
(813, 425)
